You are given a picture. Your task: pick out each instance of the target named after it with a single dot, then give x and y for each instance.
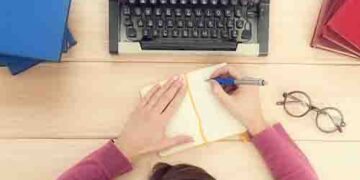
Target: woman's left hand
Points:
(145, 130)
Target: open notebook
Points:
(200, 115)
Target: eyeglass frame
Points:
(311, 107)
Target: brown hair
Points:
(163, 171)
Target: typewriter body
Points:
(239, 27)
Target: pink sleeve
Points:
(284, 159)
(104, 164)
(281, 131)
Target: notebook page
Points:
(184, 122)
(217, 122)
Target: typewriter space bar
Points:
(188, 44)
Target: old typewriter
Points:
(237, 26)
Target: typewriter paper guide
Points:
(216, 122)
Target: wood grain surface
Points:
(55, 114)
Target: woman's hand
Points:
(243, 102)
(145, 130)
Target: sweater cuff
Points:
(280, 129)
(264, 138)
(113, 160)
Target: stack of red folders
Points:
(338, 27)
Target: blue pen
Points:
(229, 81)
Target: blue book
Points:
(17, 65)
(33, 28)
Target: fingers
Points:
(230, 89)
(175, 103)
(175, 141)
(147, 97)
(155, 98)
(220, 93)
(168, 96)
(226, 71)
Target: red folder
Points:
(335, 38)
(328, 9)
(346, 22)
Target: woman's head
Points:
(163, 171)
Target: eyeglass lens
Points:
(330, 120)
(297, 104)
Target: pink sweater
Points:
(282, 156)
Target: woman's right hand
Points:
(243, 102)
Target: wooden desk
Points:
(55, 114)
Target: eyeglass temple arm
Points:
(296, 100)
(287, 102)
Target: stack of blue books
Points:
(32, 32)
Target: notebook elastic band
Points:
(244, 137)
(201, 129)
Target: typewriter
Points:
(202, 26)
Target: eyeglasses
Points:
(298, 104)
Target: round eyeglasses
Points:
(298, 104)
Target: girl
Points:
(145, 133)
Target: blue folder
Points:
(33, 28)
(17, 65)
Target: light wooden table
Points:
(55, 114)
